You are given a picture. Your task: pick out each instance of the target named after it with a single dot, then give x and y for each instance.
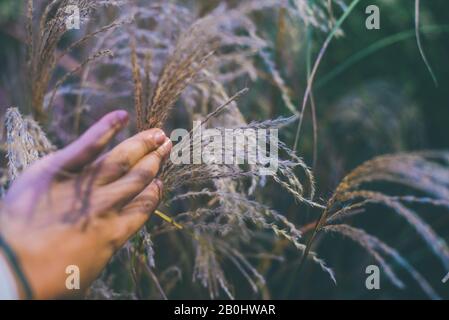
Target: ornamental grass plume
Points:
(425, 174)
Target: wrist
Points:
(11, 273)
(9, 285)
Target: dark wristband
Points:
(11, 257)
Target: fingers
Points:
(134, 215)
(139, 177)
(123, 157)
(87, 148)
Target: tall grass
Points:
(171, 58)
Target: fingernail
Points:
(160, 185)
(159, 137)
(122, 115)
(165, 148)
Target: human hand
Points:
(75, 207)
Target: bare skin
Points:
(77, 207)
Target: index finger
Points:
(87, 148)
